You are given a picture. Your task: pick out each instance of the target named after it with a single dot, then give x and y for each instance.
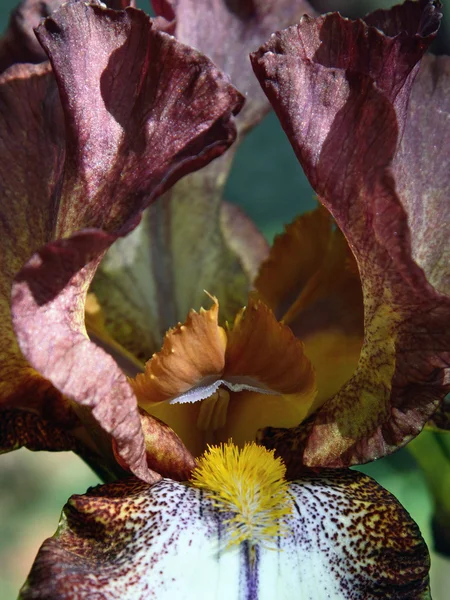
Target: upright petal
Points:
(341, 90)
(19, 44)
(187, 243)
(92, 162)
(227, 32)
(347, 538)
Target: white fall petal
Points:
(346, 538)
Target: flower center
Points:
(250, 484)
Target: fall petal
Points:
(348, 145)
(440, 420)
(24, 429)
(346, 538)
(102, 174)
(166, 453)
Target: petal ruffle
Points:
(181, 383)
(98, 169)
(351, 85)
(266, 351)
(347, 538)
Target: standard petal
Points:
(187, 242)
(346, 538)
(30, 167)
(421, 167)
(227, 32)
(19, 44)
(99, 169)
(343, 108)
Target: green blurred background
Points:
(269, 184)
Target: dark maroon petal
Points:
(132, 114)
(32, 151)
(19, 43)
(227, 31)
(24, 429)
(184, 245)
(139, 110)
(120, 4)
(347, 538)
(340, 89)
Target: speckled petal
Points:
(347, 538)
(85, 153)
(440, 420)
(24, 429)
(341, 90)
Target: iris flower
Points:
(90, 139)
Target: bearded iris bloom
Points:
(344, 93)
